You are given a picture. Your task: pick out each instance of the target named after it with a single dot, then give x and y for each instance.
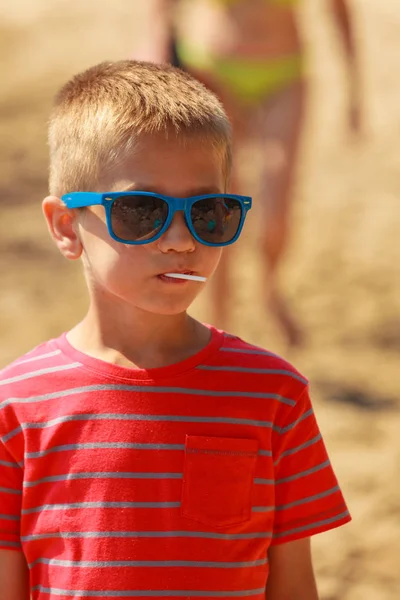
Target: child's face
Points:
(131, 274)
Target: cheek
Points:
(111, 263)
(209, 258)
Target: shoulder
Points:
(24, 377)
(259, 365)
(43, 353)
(238, 351)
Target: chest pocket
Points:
(218, 480)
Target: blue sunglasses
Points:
(142, 217)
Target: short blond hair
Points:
(99, 115)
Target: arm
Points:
(308, 499)
(156, 41)
(14, 576)
(342, 18)
(341, 14)
(291, 574)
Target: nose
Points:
(177, 238)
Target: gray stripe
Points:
(9, 518)
(116, 446)
(10, 491)
(105, 445)
(151, 418)
(75, 505)
(265, 452)
(32, 374)
(5, 463)
(144, 534)
(304, 473)
(263, 509)
(234, 369)
(48, 355)
(120, 388)
(252, 351)
(10, 544)
(11, 434)
(293, 425)
(298, 448)
(260, 481)
(313, 525)
(87, 564)
(102, 475)
(309, 499)
(146, 593)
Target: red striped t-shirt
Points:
(170, 482)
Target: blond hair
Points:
(100, 114)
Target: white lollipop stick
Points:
(186, 276)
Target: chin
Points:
(167, 305)
(167, 310)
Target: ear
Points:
(63, 227)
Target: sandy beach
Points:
(342, 272)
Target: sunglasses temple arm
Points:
(82, 199)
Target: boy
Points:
(144, 454)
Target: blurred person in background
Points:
(251, 53)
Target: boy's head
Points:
(131, 126)
(100, 116)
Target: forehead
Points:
(171, 165)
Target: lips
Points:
(185, 272)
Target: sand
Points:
(341, 273)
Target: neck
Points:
(131, 337)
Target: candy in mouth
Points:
(186, 276)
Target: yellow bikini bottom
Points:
(249, 80)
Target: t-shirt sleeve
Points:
(308, 499)
(11, 478)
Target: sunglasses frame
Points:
(83, 199)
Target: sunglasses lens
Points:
(136, 218)
(216, 220)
